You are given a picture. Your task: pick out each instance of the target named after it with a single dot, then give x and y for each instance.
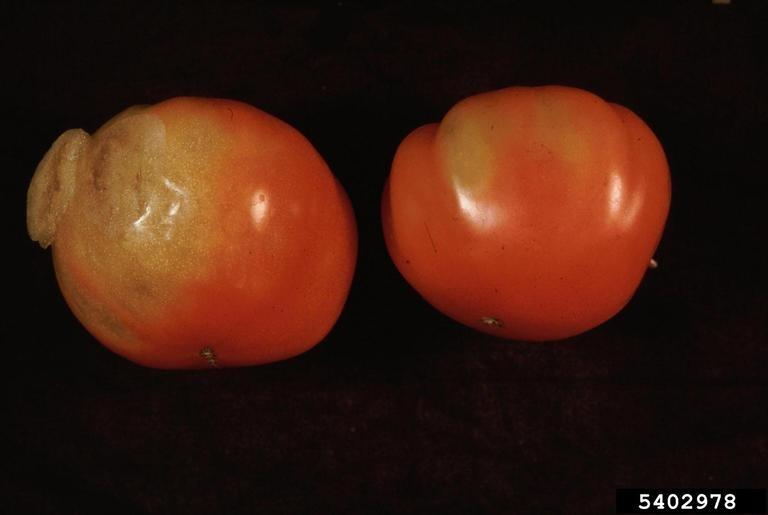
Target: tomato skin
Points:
(527, 213)
(202, 233)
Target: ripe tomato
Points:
(196, 233)
(528, 213)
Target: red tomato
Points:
(528, 213)
(196, 233)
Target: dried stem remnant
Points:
(491, 322)
(208, 355)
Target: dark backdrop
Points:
(400, 410)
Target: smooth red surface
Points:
(529, 213)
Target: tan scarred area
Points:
(125, 206)
(557, 128)
(53, 186)
(475, 135)
(465, 143)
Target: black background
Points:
(400, 410)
